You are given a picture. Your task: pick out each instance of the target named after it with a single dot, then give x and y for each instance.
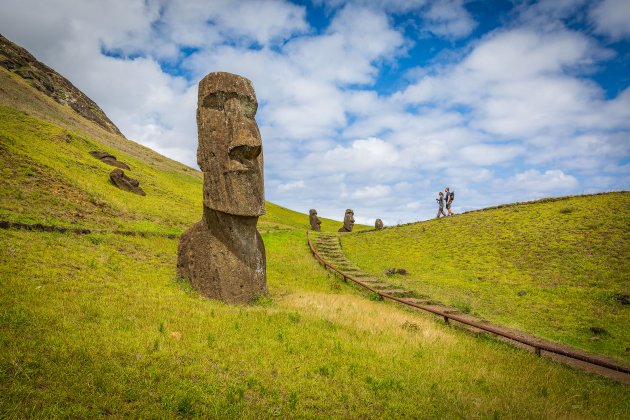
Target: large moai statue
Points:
(348, 221)
(223, 255)
(315, 222)
(378, 225)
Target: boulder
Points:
(123, 182)
(110, 160)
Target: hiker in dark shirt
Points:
(440, 201)
(450, 196)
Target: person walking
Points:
(450, 196)
(440, 201)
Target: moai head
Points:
(378, 225)
(230, 147)
(348, 220)
(315, 222)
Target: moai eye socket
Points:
(217, 100)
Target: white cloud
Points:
(538, 184)
(448, 18)
(372, 192)
(612, 18)
(486, 154)
(291, 186)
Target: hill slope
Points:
(555, 268)
(98, 325)
(19, 61)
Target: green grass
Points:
(108, 329)
(569, 257)
(98, 325)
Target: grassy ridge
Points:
(108, 330)
(568, 257)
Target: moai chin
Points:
(348, 221)
(223, 255)
(378, 225)
(315, 222)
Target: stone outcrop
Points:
(123, 182)
(19, 61)
(109, 159)
(223, 255)
(315, 222)
(348, 221)
(378, 225)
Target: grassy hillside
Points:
(567, 258)
(98, 325)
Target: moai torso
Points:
(223, 255)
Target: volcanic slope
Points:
(556, 268)
(98, 324)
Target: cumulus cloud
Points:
(612, 17)
(537, 184)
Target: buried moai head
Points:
(348, 221)
(378, 225)
(230, 147)
(315, 222)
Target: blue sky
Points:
(371, 105)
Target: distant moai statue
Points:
(223, 255)
(315, 222)
(348, 221)
(378, 225)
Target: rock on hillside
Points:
(19, 61)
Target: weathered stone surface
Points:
(19, 61)
(378, 225)
(315, 222)
(392, 271)
(348, 221)
(230, 147)
(109, 159)
(223, 255)
(123, 182)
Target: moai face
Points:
(315, 222)
(378, 225)
(348, 220)
(230, 147)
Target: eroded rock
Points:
(315, 222)
(123, 182)
(110, 160)
(348, 221)
(378, 225)
(223, 255)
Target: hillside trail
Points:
(326, 247)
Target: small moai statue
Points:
(223, 255)
(348, 221)
(378, 225)
(315, 222)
